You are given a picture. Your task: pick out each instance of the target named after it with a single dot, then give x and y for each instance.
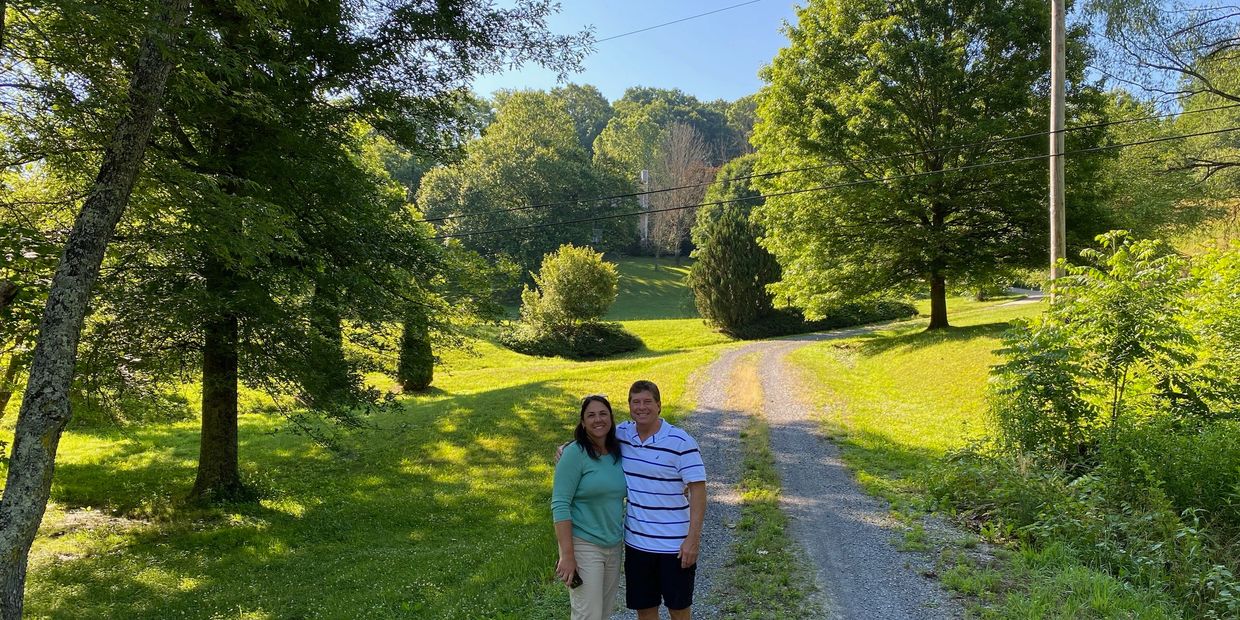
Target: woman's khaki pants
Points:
(599, 569)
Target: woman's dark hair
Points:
(613, 444)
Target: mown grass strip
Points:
(769, 577)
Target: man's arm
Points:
(697, 514)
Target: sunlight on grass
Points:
(900, 398)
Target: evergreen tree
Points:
(417, 360)
(731, 270)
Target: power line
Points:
(870, 160)
(820, 188)
(677, 21)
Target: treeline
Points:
(547, 157)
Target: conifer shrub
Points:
(416, 369)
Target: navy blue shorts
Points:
(651, 579)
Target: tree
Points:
(864, 80)
(589, 110)
(731, 272)
(1186, 54)
(681, 164)
(417, 359)
(45, 407)
(529, 156)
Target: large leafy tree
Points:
(864, 79)
(261, 223)
(589, 110)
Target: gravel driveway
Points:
(847, 534)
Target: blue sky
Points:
(712, 57)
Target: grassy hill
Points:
(439, 509)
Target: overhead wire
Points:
(820, 188)
(869, 160)
(677, 21)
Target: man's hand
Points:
(560, 451)
(688, 552)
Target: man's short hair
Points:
(645, 386)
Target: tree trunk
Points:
(938, 301)
(45, 407)
(219, 476)
(7, 379)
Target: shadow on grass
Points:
(928, 338)
(443, 514)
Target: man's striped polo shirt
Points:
(657, 471)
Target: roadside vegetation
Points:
(1134, 514)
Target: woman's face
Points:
(597, 420)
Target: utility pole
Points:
(1058, 68)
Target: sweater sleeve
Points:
(567, 477)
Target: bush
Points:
(593, 340)
(1134, 335)
(786, 321)
(574, 286)
(416, 368)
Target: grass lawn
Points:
(898, 399)
(440, 510)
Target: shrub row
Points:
(787, 321)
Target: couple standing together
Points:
(659, 468)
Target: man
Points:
(667, 505)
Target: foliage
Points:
(589, 110)
(1133, 334)
(416, 368)
(529, 156)
(731, 272)
(861, 83)
(1116, 414)
(574, 286)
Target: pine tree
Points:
(731, 271)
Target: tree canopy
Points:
(862, 82)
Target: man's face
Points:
(643, 408)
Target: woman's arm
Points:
(567, 565)
(563, 490)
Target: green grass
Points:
(768, 577)
(898, 399)
(439, 510)
(653, 289)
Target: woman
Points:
(587, 506)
